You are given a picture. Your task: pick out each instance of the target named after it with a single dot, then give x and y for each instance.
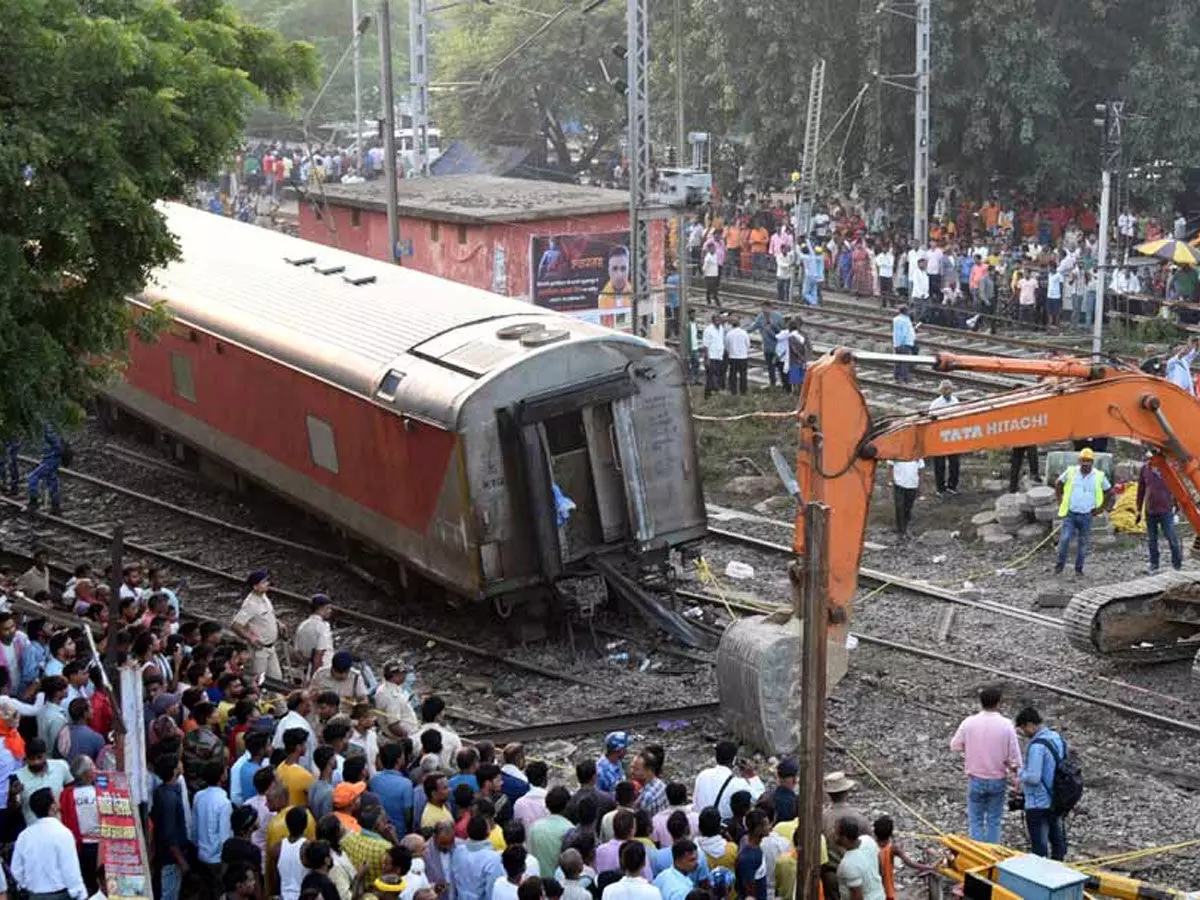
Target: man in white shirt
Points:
(920, 287)
(394, 702)
(633, 886)
(1054, 297)
(717, 784)
(945, 398)
(885, 264)
(906, 476)
(1180, 227)
(935, 269)
(1027, 286)
(737, 355)
(1179, 366)
(713, 347)
(45, 861)
(299, 704)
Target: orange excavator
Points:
(1150, 619)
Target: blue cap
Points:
(616, 740)
(256, 577)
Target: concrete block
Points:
(993, 484)
(1001, 537)
(987, 517)
(1052, 597)
(1009, 501)
(1032, 532)
(1045, 513)
(1040, 495)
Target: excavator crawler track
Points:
(1145, 620)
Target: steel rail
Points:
(900, 581)
(304, 602)
(191, 513)
(544, 731)
(1156, 718)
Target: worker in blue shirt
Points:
(47, 471)
(1083, 492)
(1047, 835)
(609, 768)
(904, 340)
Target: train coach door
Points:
(606, 468)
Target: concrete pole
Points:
(357, 63)
(638, 79)
(389, 128)
(1101, 264)
(813, 649)
(418, 92)
(921, 129)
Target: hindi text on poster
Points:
(585, 276)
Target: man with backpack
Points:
(1051, 783)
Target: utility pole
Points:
(357, 63)
(1110, 121)
(681, 226)
(388, 93)
(639, 157)
(921, 129)
(813, 608)
(418, 84)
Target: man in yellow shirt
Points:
(437, 801)
(294, 776)
(712, 843)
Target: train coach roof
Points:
(247, 284)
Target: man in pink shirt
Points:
(988, 742)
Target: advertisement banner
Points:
(126, 871)
(585, 276)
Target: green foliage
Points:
(106, 112)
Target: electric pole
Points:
(684, 334)
(921, 129)
(639, 157)
(1110, 122)
(357, 64)
(418, 84)
(389, 128)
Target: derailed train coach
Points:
(435, 423)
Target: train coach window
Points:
(355, 217)
(321, 446)
(182, 379)
(462, 234)
(435, 232)
(389, 385)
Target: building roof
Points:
(481, 199)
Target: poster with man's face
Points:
(584, 275)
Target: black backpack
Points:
(1067, 787)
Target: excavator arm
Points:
(840, 443)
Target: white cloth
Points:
(714, 341)
(711, 267)
(710, 781)
(369, 745)
(934, 260)
(859, 868)
(393, 702)
(45, 860)
(940, 402)
(918, 283)
(737, 343)
(294, 720)
(631, 889)
(783, 264)
(87, 813)
(291, 870)
(906, 473)
(56, 776)
(503, 889)
(885, 262)
(313, 634)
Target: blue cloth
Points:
(469, 780)
(749, 861)
(786, 804)
(476, 871)
(986, 799)
(170, 819)
(1047, 837)
(673, 884)
(395, 795)
(608, 773)
(1083, 490)
(673, 291)
(33, 662)
(1179, 371)
(513, 788)
(210, 821)
(1165, 522)
(903, 333)
(241, 779)
(662, 861)
(768, 326)
(1037, 775)
(1074, 524)
(964, 268)
(172, 881)
(47, 470)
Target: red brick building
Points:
(485, 231)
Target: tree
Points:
(551, 92)
(108, 107)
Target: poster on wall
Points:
(126, 870)
(585, 276)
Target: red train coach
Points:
(430, 420)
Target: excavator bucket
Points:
(758, 672)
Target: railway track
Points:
(71, 540)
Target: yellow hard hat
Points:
(1087, 453)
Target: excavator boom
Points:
(841, 444)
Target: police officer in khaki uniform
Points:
(255, 623)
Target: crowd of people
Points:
(340, 786)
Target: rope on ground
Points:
(1130, 856)
(709, 578)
